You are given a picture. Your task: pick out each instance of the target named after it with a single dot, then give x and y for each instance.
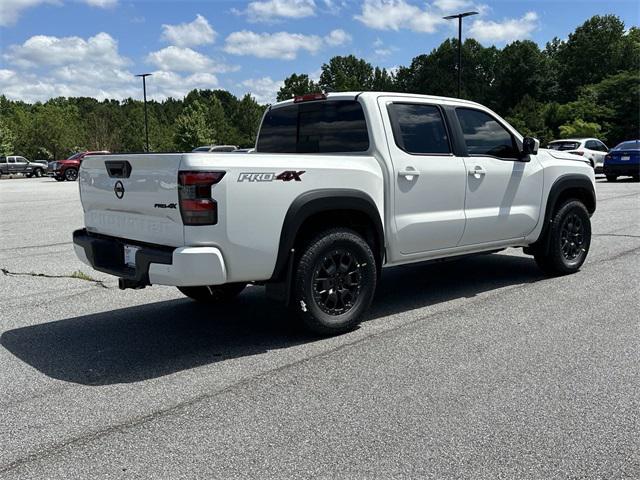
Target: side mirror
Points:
(530, 146)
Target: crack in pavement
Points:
(75, 275)
(122, 427)
(614, 235)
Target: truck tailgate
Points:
(133, 197)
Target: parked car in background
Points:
(590, 148)
(14, 164)
(44, 163)
(244, 150)
(623, 160)
(68, 169)
(216, 148)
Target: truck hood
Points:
(560, 155)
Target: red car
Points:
(68, 169)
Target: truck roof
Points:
(353, 95)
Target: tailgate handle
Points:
(118, 168)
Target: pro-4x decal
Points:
(286, 176)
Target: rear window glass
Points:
(563, 145)
(633, 145)
(316, 127)
(418, 129)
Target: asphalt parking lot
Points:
(479, 368)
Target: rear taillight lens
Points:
(607, 156)
(197, 206)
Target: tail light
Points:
(607, 156)
(578, 153)
(194, 191)
(309, 97)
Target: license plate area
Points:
(130, 255)
(625, 157)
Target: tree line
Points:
(586, 85)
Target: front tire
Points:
(214, 293)
(335, 282)
(569, 240)
(37, 173)
(71, 174)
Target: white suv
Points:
(591, 149)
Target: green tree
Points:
(7, 139)
(529, 117)
(578, 128)
(595, 50)
(192, 129)
(247, 118)
(521, 71)
(297, 85)
(348, 73)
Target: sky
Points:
(51, 48)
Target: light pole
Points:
(460, 16)
(144, 90)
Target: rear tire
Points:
(569, 240)
(214, 293)
(37, 173)
(611, 178)
(334, 283)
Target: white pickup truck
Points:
(340, 185)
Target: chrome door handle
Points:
(409, 173)
(477, 171)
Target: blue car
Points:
(623, 160)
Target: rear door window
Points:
(419, 129)
(317, 127)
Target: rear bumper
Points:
(155, 264)
(632, 169)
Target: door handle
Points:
(409, 173)
(477, 171)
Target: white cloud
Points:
(41, 50)
(198, 32)
(398, 14)
(264, 89)
(101, 3)
(282, 45)
(186, 60)
(11, 9)
(450, 6)
(507, 30)
(337, 37)
(270, 10)
(44, 67)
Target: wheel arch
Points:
(579, 187)
(323, 208)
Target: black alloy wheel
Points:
(337, 282)
(572, 237)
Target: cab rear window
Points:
(337, 126)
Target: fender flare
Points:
(563, 183)
(318, 201)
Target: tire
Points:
(71, 174)
(59, 179)
(569, 240)
(611, 178)
(37, 173)
(28, 175)
(336, 258)
(214, 293)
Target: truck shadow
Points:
(149, 341)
